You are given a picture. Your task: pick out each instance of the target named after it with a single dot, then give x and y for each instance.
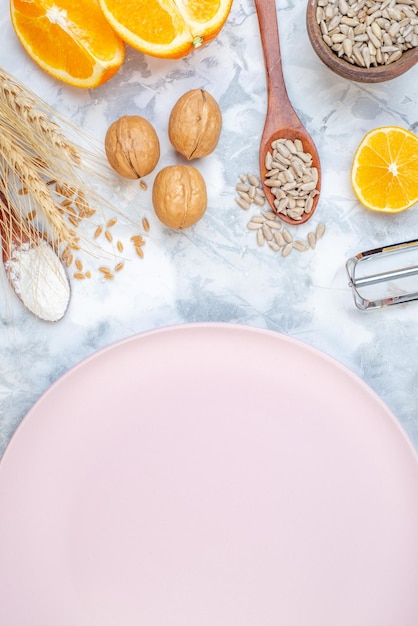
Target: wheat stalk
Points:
(24, 112)
(47, 176)
(28, 174)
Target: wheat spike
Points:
(23, 109)
(28, 174)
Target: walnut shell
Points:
(179, 196)
(195, 124)
(132, 146)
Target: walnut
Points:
(179, 196)
(195, 124)
(132, 146)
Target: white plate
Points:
(209, 475)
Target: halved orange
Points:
(69, 39)
(166, 28)
(384, 175)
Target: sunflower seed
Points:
(300, 245)
(245, 196)
(311, 239)
(242, 203)
(253, 180)
(268, 235)
(320, 230)
(274, 224)
(254, 225)
(259, 200)
(279, 239)
(273, 245)
(260, 238)
(287, 249)
(287, 236)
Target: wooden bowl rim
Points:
(344, 68)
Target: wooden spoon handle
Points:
(267, 19)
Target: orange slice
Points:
(166, 28)
(384, 175)
(69, 39)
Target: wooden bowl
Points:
(345, 69)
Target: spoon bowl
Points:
(282, 121)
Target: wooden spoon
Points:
(281, 119)
(14, 238)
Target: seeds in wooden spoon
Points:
(292, 178)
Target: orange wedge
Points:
(166, 28)
(384, 175)
(69, 39)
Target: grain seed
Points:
(31, 215)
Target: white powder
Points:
(39, 279)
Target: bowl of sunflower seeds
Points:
(368, 41)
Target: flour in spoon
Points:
(39, 279)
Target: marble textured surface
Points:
(214, 271)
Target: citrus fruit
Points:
(384, 175)
(166, 28)
(69, 39)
